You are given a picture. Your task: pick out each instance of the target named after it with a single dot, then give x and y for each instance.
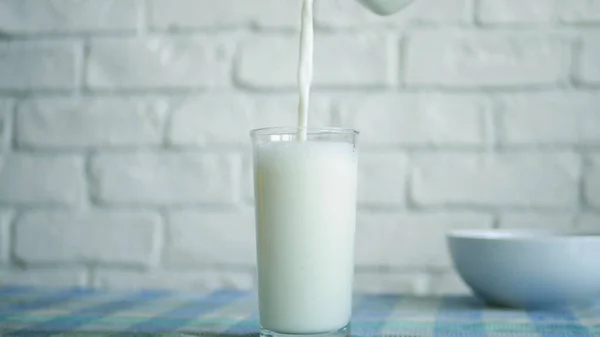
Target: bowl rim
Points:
(524, 234)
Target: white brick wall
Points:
(53, 17)
(592, 182)
(553, 118)
(524, 220)
(516, 12)
(417, 119)
(589, 70)
(382, 179)
(538, 12)
(351, 15)
(157, 63)
(190, 14)
(95, 237)
(28, 65)
(229, 117)
(164, 178)
(589, 222)
(484, 59)
(124, 149)
(198, 238)
(518, 180)
(410, 240)
(579, 11)
(42, 179)
(447, 283)
(6, 121)
(5, 219)
(80, 123)
(359, 60)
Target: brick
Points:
(56, 180)
(274, 111)
(189, 14)
(382, 179)
(588, 69)
(210, 238)
(205, 280)
(6, 122)
(539, 11)
(519, 179)
(550, 118)
(530, 220)
(410, 240)
(517, 12)
(579, 11)
(211, 119)
(591, 182)
(164, 178)
(158, 62)
(88, 237)
(340, 61)
(349, 14)
(39, 65)
(226, 119)
(484, 59)
(412, 283)
(5, 221)
(417, 119)
(448, 283)
(233, 116)
(90, 122)
(42, 277)
(248, 180)
(47, 16)
(589, 222)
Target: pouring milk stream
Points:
(305, 195)
(305, 62)
(305, 66)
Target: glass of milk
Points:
(305, 221)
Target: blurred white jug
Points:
(385, 7)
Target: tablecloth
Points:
(26, 311)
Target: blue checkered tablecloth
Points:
(26, 311)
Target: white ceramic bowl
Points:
(528, 268)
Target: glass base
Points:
(343, 332)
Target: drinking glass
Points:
(305, 192)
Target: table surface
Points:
(26, 311)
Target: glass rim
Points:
(288, 130)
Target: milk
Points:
(305, 66)
(305, 217)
